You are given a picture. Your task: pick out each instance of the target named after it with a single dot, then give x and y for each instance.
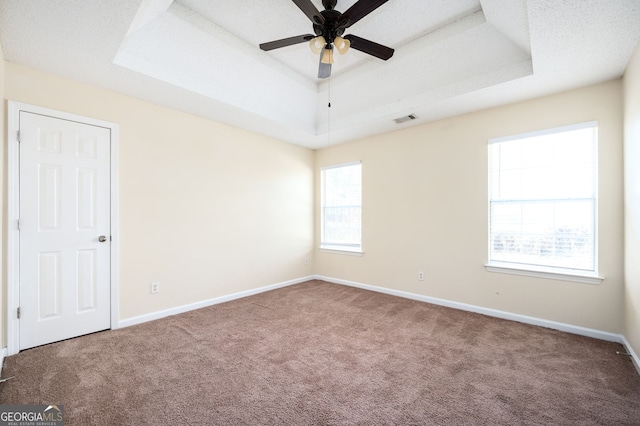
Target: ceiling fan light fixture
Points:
(342, 45)
(327, 56)
(332, 24)
(317, 44)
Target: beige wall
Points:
(3, 280)
(209, 210)
(425, 209)
(205, 209)
(632, 202)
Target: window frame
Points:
(539, 271)
(338, 248)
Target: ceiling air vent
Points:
(405, 118)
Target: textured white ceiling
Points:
(202, 56)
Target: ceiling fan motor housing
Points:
(332, 27)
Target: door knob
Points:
(102, 238)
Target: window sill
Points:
(550, 274)
(341, 250)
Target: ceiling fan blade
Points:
(324, 70)
(310, 10)
(276, 44)
(370, 47)
(361, 9)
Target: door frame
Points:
(13, 213)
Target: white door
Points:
(64, 229)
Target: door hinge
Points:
(18, 224)
(18, 312)
(18, 135)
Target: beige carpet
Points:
(323, 354)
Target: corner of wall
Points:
(3, 193)
(632, 201)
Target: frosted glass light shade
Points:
(316, 44)
(327, 56)
(342, 45)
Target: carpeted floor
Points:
(324, 354)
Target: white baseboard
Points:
(569, 328)
(574, 329)
(583, 331)
(203, 304)
(630, 351)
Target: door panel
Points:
(49, 285)
(87, 280)
(64, 208)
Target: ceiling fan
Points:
(329, 26)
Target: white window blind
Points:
(542, 199)
(342, 207)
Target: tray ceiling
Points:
(202, 57)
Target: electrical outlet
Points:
(420, 276)
(306, 260)
(155, 287)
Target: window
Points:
(542, 202)
(342, 207)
